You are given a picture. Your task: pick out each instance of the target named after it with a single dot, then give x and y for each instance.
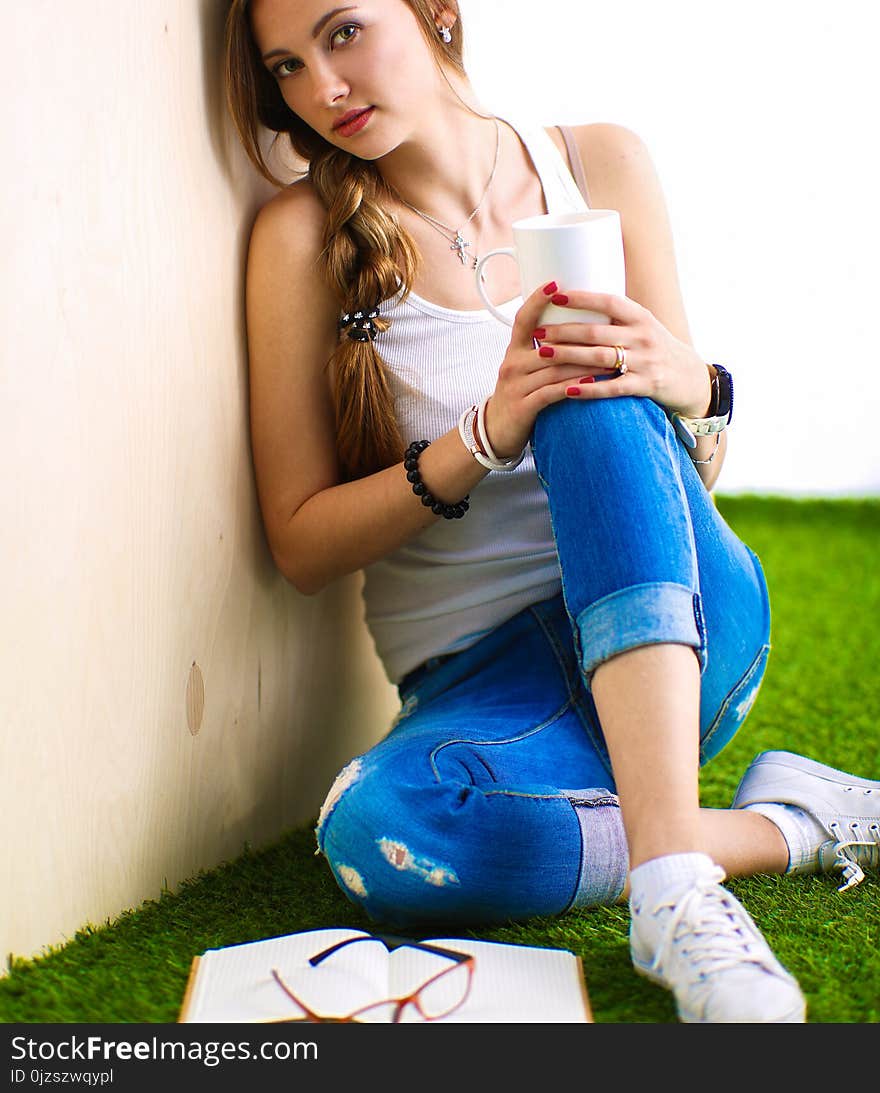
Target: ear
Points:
(446, 15)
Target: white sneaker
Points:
(845, 812)
(702, 945)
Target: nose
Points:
(328, 86)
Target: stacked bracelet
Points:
(472, 430)
(413, 475)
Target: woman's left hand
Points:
(659, 366)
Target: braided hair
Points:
(367, 255)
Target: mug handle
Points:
(478, 273)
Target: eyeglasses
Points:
(437, 997)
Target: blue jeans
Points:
(492, 797)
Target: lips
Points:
(353, 121)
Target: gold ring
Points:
(621, 365)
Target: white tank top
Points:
(459, 579)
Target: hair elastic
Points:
(360, 324)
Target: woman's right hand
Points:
(528, 380)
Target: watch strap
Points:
(722, 393)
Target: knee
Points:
(411, 850)
(601, 438)
(383, 838)
(605, 419)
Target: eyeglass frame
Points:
(390, 942)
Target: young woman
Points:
(572, 626)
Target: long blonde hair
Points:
(367, 255)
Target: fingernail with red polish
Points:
(539, 334)
(550, 289)
(587, 379)
(573, 391)
(560, 298)
(546, 351)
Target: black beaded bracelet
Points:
(413, 475)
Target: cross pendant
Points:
(458, 245)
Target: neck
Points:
(444, 167)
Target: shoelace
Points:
(710, 921)
(850, 853)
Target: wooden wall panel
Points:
(167, 696)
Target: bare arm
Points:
(319, 528)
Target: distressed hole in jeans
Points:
(747, 701)
(401, 857)
(344, 780)
(352, 880)
(735, 708)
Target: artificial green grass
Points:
(820, 697)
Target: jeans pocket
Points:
(735, 708)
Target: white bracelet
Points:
(466, 431)
(490, 459)
(473, 434)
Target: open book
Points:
(272, 980)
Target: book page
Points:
(236, 983)
(510, 983)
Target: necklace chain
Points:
(459, 243)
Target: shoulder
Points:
(603, 139)
(617, 164)
(616, 161)
(286, 241)
(288, 301)
(291, 223)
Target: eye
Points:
(282, 70)
(344, 34)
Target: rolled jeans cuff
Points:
(605, 857)
(644, 614)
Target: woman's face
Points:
(360, 75)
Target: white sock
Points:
(660, 880)
(803, 835)
(654, 876)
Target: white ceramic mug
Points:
(577, 250)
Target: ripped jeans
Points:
(492, 797)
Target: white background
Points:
(761, 118)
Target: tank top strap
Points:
(561, 191)
(576, 164)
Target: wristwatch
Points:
(720, 410)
